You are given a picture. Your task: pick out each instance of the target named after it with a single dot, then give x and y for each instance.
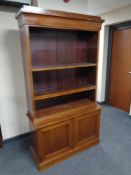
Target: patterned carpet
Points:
(111, 157)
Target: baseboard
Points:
(1, 139)
(1, 143)
(16, 137)
(102, 103)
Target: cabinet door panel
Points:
(86, 127)
(56, 139)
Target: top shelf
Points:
(62, 66)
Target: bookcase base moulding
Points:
(60, 66)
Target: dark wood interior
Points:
(57, 47)
(42, 104)
(62, 107)
(60, 80)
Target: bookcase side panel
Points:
(27, 68)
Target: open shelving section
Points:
(60, 65)
(63, 61)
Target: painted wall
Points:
(12, 91)
(12, 87)
(113, 17)
(78, 6)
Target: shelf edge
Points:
(68, 92)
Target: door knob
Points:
(129, 73)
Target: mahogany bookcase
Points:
(60, 65)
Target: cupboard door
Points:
(86, 127)
(55, 139)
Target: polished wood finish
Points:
(57, 19)
(57, 83)
(60, 65)
(120, 79)
(57, 94)
(65, 99)
(55, 47)
(86, 127)
(65, 132)
(1, 139)
(24, 31)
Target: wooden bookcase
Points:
(60, 65)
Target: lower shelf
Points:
(62, 93)
(64, 108)
(54, 141)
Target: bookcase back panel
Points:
(58, 47)
(59, 80)
(41, 104)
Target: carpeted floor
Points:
(111, 157)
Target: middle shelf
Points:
(61, 93)
(55, 83)
(38, 68)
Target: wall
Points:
(78, 6)
(12, 88)
(113, 17)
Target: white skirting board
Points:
(130, 110)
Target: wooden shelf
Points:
(67, 92)
(64, 108)
(59, 67)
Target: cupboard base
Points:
(52, 142)
(48, 163)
